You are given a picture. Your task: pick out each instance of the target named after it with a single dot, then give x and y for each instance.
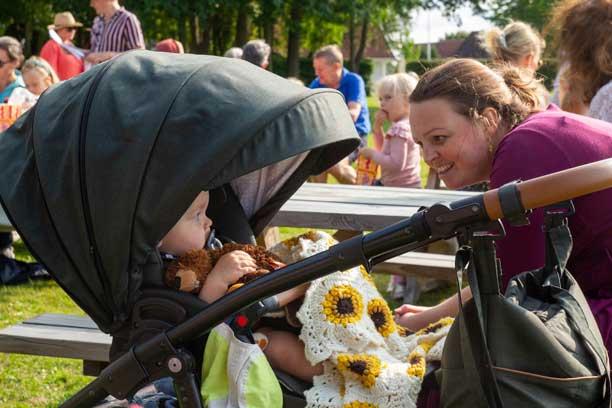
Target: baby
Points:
(283, 349)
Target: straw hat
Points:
(64, 20)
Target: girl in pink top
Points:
(399, 156)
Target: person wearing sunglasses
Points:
(65, 64)
(11, 57)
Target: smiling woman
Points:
(477, 124)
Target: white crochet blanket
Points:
(368, 360)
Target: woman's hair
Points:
(400, 83)
(12, 48)
(515, 41)
(583, 33)
(471, 87)
(40, 65)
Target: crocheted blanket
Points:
(368, 360)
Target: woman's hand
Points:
(367, 152)
(228, 269)
(412, 317)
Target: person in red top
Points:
(63, 62)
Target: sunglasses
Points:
(68, 28)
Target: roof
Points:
(376, 47)
(470, 47)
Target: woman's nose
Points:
(428, 154)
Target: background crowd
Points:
(470, 122)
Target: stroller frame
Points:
(163, 356)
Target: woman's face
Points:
(450, 143)
(7, 67)
(67, 34)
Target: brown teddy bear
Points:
(189, 271)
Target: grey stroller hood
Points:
(106, 163)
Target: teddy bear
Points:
(189, 271)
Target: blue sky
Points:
(431, 25)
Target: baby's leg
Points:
(285, 352)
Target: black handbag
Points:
(537, 346)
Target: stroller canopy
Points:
(106, 163)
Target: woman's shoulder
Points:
(601, 104)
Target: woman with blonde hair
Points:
(583, 32)
(518, 44)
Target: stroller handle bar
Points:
(428, 225)
(554, 188)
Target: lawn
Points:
(31, 381)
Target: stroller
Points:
(96, 163)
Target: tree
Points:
(500, 12)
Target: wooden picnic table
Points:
(357, 208)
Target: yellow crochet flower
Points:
(402, 331)
(445, 321)
(343, 305)
(366, 367)
(426, 346)
(417, 365)
(308, 235)
(381, 316)
(359, 404)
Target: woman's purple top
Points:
(548, 142)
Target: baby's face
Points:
(191, 231)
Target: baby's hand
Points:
(228, 269)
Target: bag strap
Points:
(474, 322)
(558, 249)
(558, 239)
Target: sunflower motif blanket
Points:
(368, 360)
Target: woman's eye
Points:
(438, 139)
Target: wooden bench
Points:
(59, 335)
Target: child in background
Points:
(399, 156)
(284, 350)
(38, 76)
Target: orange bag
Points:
(8, 115)
(367, 170)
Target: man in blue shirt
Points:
(328, 66)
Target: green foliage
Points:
(459, 35)
(546, 72)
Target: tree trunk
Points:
(27, 49)
(268, 35)
(182, 28)
(204, 46)
(293, 41)
(242, 25)
(196, 39)
(363, 40)
(351, 40)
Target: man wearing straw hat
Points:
(65, 64)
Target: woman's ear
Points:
(490, 118)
